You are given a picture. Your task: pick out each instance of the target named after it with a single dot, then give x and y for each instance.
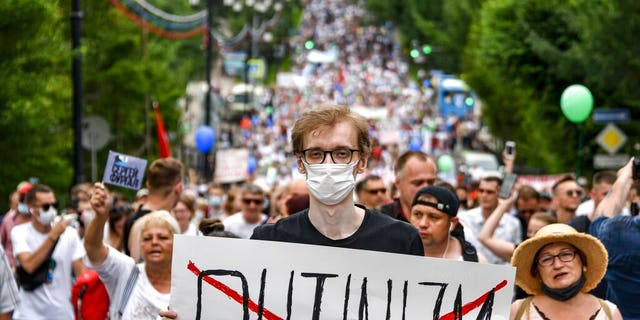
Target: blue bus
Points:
(454, 97)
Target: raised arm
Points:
(93, 242)
(501, 248)
(612, 204)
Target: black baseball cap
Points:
(447, 201)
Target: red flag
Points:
(163, 141)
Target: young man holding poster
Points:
(332, 146)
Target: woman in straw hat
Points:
(558, 267)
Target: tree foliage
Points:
(124, 69)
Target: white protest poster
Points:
(232, 165)
(124, 170)
(231, 279)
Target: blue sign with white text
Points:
(611, 116)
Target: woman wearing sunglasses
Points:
(558, 267)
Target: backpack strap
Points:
(128, 289)
(524, 307)
(605, 308)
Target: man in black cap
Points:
(433, 213)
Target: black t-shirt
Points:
(377, 233)
(394, 210)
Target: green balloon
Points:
(445, 163)
(576, 103)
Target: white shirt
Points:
(238, 226)
(50, 300)
(192, 230)
(508, 230)
(145, 301)
(9, 295)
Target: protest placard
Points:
(124, 170)
(224, 278)
(232, 165)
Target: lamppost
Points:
(76, 34)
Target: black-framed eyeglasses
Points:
(338, 155)
(46, 206)
(564, 256)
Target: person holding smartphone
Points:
(620, 235)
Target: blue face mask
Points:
(23, 208)
(215, 201)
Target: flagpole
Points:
(208, 67)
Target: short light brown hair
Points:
(330, 116)
(527, 192)
(405, 157)
(163, 175)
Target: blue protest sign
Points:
(124, 170)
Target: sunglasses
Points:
(571, 193)
(248, 201)
(376, 191)
(46, 206)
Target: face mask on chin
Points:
(330, 183)
(567, 293)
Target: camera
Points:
(636, 168)
(510, 149)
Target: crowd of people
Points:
(130, 244)
(340, 182)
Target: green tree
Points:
(34, 100)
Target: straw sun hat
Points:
(592, 249)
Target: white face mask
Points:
(87, 217)
(330, 183)
(46, 217)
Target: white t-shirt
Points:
(192, 230)
(145, 301)
(508, 229)
(238, 226)
(50, 300)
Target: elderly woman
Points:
(558, 267)
(135, 291)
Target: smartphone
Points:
(510, 149)
(633, 208)
(507, 185)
